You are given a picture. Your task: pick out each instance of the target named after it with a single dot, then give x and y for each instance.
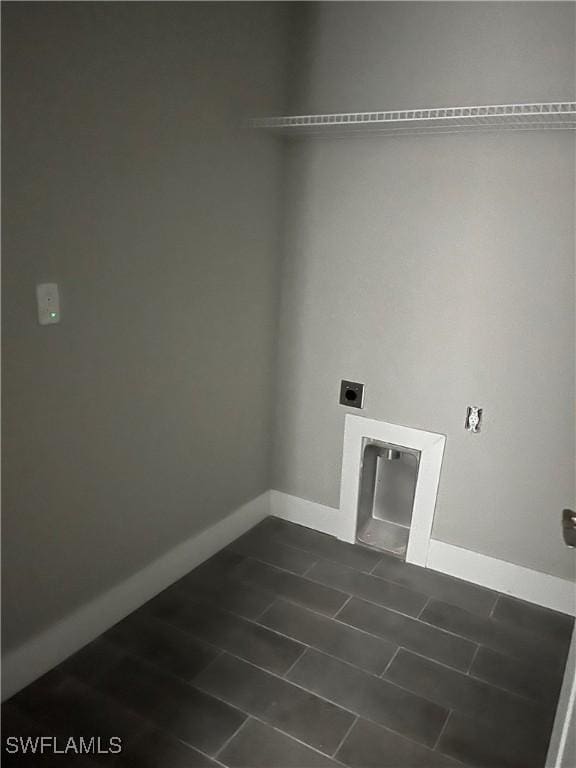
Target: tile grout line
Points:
(376, 564)
(444, 726)
(261, 613)
(387, 667)
(339, 611)
(235, 733)
(473, 659)
(291, 667)
(197, 749)
(343, 739)
(491, 614)
(310, 568)
(429, 659)
(258, 559)
(424, 607)
(307, 579)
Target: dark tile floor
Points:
(290, 649)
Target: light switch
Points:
(48, 300)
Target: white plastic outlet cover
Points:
(431, 447)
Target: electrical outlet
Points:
(352, 394)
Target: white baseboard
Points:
(310, 514)
(524, 583)
(38, 655)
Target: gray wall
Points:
(439, 270)
(144, 416)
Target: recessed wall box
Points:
(352, 394)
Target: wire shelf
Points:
(558, 115)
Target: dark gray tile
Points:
(215, 582)
(409, 633)
(17, 723)
(301, 714)
(455, 591)
(231, 633)
(258, 745)
(326, 634)
(92, 661)
(531, 680)
(259, 545)
(371, 746)
(323, 545)
(368, 587)
(217, 569)
(370, 696)
(456, 690)
(555, 627)
(478, 744)
(172, 705)
(242, 599)
(494, 634)
(299, 590)
(67, 706)
(158, 750)
(162, 644)
(17, 726)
